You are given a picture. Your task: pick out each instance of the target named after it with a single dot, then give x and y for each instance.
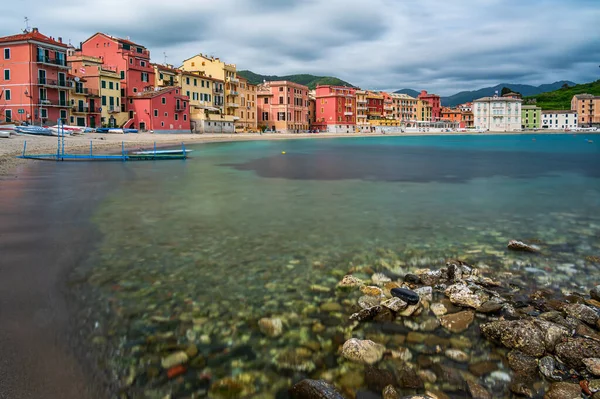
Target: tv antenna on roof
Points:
(165, 54)
(26, 24)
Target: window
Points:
(103, 100)
(7, 94)
(111, 86)
(117, 85)
(195, 82)
(156, 113)
(103, 84)
(131, 61)
(164, 100)
(266, 100)
(44, 113)
(281, 89)
(281, 116)
(184, 117)
(7, 54)
(118, 102)
(280, 100)
(166, 114)
(265, 116)
(144, 76)
(187, 81)
(63, 114)
(7, 74)
(135, 89)
(160, 76)
(122, 74)
(8, 115)
(176, 117)
(143, 63)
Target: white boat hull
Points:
(4, 134)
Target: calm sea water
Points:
(196, 252)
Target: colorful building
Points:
(130, 60)
(85, 105)
(424, 111)
(559, 119)
(455, 115)
(35, 85)
(312, 109)
(161, 111)
(587, 107)
(497, 114)
(530, 117)
(246, 113)
(374, 105)
(282, 106)
(434, 101)
(335, 109)
(468, 119)
(362, 123)
(388, 106)
(102, 89)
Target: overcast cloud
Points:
(439, 45)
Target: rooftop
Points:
(33, 35)
(506, 99)
(560, 111)
(154, 93)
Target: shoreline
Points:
(13, 147)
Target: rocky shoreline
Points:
(449, 332)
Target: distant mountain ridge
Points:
(561, 98)
(311, 81)
(468, 96)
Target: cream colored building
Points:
(247, 112)
(361, 111)
(405, 107)
(424, 111)
(497, 114)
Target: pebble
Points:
(438, 309)
(331, 307)
(483, 367)
(457, 322)
(366, 302)
(412, 279)
(521, 246)
(319, 288)
(563, 390)
(371, 290)
(408, 296)
(362, 351)
(592, 365)
(174, 359)
(395, 304)
(271, 327)
(425, 293)
(350, 281)
(477, 391)
(457, 355)
(595, 293)
(380, 279)
(462, 295)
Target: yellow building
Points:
(212, 67)
(247, 112)
(361, 111)
(102, 83)
(85, 105)
(423, 111)
(405, 107)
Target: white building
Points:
(559, 120)
(497, 114)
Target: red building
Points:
(374, 105)
(34, 85)
(434, 101)
(335, 109)
(131, 60)
(162, 111)
(282, 106)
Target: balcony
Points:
(87, 92)
(233, 80)
(179, 108)
(388, 108)
(62, 83)
(233, 93)
(217, 90)
(80, 109)
(361, 101)
(113, 110)
(168, 82)
(44, 102)
(348, 113)
(361, 108)
(56, 62)
(233, 105)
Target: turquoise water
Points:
(196, 252)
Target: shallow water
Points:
(197, 251)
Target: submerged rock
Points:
(595, 293)
(380, 279)
(551, 369)
(314, 389)
(457, 355)
(174, 359)
(574, 350)
(457, 322)
(362, 351)
(349, 281)
(518, 334)
(515, 245)
(592, 365)
(438, 309)
(271, 327)
(366, 302)
(366, 314)
(395, 304)
(582, 312)
(477, 391)
(463, 295)
(563, 390)
(408, 296)
(522, 364)
(371, 291)
(297, 359)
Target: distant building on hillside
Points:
(559, 120)
(497, 114)
(587, 107)
(513, 95)
(434, 101)
(530, 117)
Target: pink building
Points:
(282, 106)
(434, 101)
(335, 109)
(162, 111)
(35, 84)
(131, 60)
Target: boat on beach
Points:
(37, 130)
(66, 129)
(161, 152)
(5, 134)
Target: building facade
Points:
(374, 105)
(388, 106)
(424, 111)
(35, 85)
(362, 123)
(434, 101)
(497, 114)
(454, 115)
(587, 108)
(405, 107)
(559, 120)
(85, 105)
(335, 109)
(282, 106)
(246, 113)
(530, 117)
(104, 82)
(161, 111)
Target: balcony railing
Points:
(168, 82)
(87, 92)
(53, 103)
(80, 110)
(217, 90)
(348, 113)
(52, 61)
(113, 109)
(179, 108)
(64, 83)
(233, 105)
(233, 80)
(234, 93)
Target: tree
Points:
(505, 90)
(565, 86)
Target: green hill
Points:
(307, 80)
(561, 98)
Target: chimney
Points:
(34, 29)
(60, 39)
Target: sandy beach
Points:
(12, 147)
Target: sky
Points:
(437, 45)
